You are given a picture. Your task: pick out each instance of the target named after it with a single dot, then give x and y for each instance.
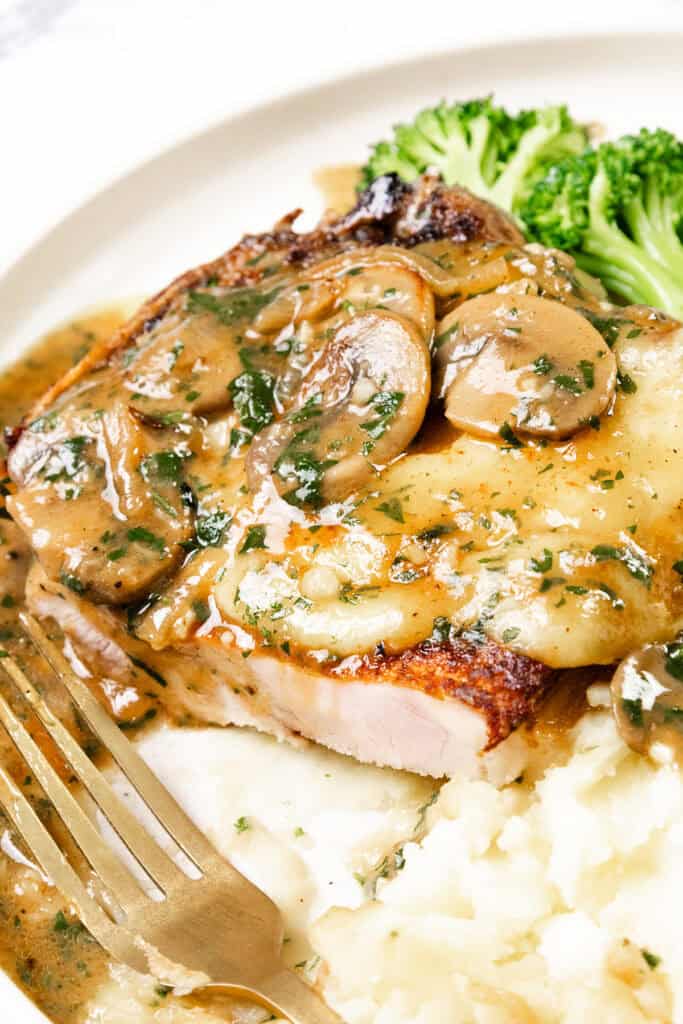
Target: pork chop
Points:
(254, 484)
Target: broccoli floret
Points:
(618, 209)
(479, 145)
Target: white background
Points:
(89, 88)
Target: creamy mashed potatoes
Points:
(549, 901)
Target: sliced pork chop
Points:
(255, 484)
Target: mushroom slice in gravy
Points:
(530, 363)
(102, 503)
(647, 698)
(184, 366)
(360, 406)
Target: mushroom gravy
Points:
(42, 947)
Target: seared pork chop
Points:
(342, 484)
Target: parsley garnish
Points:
(145, 536)
(567, 383)
(210, 529)
(254, 539)
(631, 559)
(229, 308)
(509, 436)
(386, 404)
(252, 394)
(72, 582)
(543, 564)
(392, 509)
(626, 383)
(166, 465)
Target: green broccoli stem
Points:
(622, 264)
(508, 189)
(651, 219)
(465, 160)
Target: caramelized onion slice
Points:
(359, 407)
(531, 363)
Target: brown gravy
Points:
(42, 947)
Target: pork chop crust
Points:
(504, 686)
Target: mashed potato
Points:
(557, 901)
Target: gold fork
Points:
(217, 922)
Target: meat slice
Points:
(244, 536)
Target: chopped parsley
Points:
(72, 582)
(626, 383)
(650, 959)
(634, 562)
(308, 471)
(165, 465)
(253, 396)
(607, 326)
(441, 339)
(567, 383)
(393, 509)
(674, 660)
(310, 408)
(233, 306)
(254, 539)
(349, 594)
(201, 610)
(634, 711)
(142, 535)
(542, 564)
(386, 404)
(543, 365)
(508, 435)
(210, 529)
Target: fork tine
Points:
(56, 867)
(160, 802)
(156, 863)
(109, 868)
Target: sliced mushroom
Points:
(130, 520)
(531, 364)
(360, 406)
(186, 367)
(647, 698)
(442, 280)
(304, 300)
(394, 288)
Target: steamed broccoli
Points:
(496, 155)
(619, 210)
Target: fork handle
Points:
(286, 994)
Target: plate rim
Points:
(299, 94)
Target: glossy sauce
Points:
(42, 947)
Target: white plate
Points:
(194, 201)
